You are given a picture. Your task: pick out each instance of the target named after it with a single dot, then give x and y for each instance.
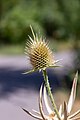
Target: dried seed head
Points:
(39, 53)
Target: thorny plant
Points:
(41, 58)
(64, 110)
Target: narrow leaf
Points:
(73, 94)
(60, 110)
(65, 111)
(47, 102)
(40, 104)
(75, 114)
(34, 116)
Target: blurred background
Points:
(56, 20)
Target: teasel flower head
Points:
(39, 53)
(63, 113)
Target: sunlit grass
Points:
(62, 45)
(11, 49)
(54, 45)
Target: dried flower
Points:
(41, 58)
(64, 114)
(39, 53)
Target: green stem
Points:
(50, 93)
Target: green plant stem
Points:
(50, 93)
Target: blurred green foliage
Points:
(59, 19)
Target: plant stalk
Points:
(50, 93)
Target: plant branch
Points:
(50, 93)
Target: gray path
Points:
(10, 107)
(12, 85)
(22, 62)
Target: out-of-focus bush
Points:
(59, 19)
(16, 25)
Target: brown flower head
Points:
(39, 53)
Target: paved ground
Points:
(10, 105)
(22, 62)
(22, 90)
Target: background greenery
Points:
(58, 19)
